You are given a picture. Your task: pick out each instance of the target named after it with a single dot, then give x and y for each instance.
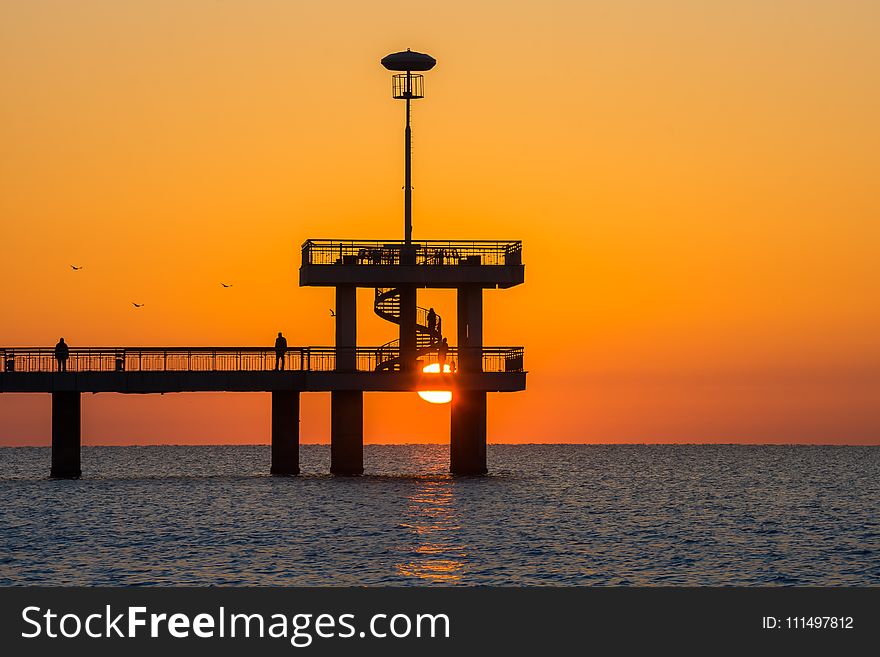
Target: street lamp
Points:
(408, 86)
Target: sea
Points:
(546, 515)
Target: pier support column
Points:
(285, 432)
(346, 328)
(346, 406)
(66, 432)
(347, 432)
(407, 328)
(470, 328)
(467, 447)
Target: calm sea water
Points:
(547, 515)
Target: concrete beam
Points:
(66, 439)
(255, 381)
(285, 432)
(433, 276)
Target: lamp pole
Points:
(407, 158)
(407, 86)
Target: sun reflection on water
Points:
(436, 556)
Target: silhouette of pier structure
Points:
(417, 360)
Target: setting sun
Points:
(436, 396)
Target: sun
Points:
(436, 396)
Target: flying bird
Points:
(137, 305)
(332, 314)
(75, 268)
(226, 285)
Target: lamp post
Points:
(408, 86)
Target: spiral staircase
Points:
(387, 306)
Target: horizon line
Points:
(446, 444)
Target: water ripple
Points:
(549, 515)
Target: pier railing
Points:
(430, 252)
(226, 359)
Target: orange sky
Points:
(694, 184)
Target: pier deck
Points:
(141, 370)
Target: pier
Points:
(345, 369)
(425, 355)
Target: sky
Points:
(694, 184)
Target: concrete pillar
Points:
(346, 328)
(408, 327)
(347, 432)
(470, 328)
(346, 406)
(467, 447)
(285, 432)
(66, 428)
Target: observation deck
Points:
(427, 264)
(398, 270)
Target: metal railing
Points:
(226, 359)
(431, 252)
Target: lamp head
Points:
(408, 60)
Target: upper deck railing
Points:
(431, 252)
(225, 359)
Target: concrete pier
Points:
(399, 272)
(66, 432)
(347, 432)
(346, 328)
(467, 447)
(285, 432)
(407, 328)
(346, 406)
(470, 328)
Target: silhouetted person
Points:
(280, 350)
(452, 367)
(440, 326)
(441, 354)
(432, 323)
(62, 353)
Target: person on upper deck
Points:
(280, 350)
(442, 351)
(62, 353)
(432, 323)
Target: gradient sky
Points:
(695, 184)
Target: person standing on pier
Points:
(280, 350)
(441, 355)
(432, 323)
(61, 355)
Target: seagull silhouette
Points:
(137, 305)
(225, 285)
(75, 268)
(332, 314)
